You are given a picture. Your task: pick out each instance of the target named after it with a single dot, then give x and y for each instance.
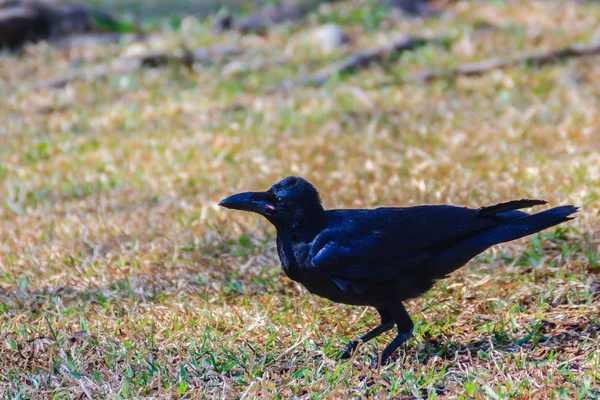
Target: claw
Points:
(344, 355)
(348, 350)
(378, 362)
(375, 363)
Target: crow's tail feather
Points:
(509, 206)
(462, 252)
(526, 225)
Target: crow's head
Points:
(286, 203)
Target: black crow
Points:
(385, 256)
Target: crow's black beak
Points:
(257, 202)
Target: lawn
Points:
(120, 277)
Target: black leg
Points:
(405, 329)
(387, 323)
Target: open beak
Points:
(257, 202)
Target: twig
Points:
(482, 67)
(151, 59)
(88, 73)
(363, 59)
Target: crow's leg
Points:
(405, 330)
(387, 323)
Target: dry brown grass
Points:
(119, 276)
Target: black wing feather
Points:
(362, 247)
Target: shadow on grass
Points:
(551, 339)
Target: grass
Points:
(121, 278)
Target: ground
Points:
(120, 277)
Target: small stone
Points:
(327, 37)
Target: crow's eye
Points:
(280, 201)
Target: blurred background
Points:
(123, 124)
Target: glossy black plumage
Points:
(382, 257)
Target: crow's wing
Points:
(363, 247)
